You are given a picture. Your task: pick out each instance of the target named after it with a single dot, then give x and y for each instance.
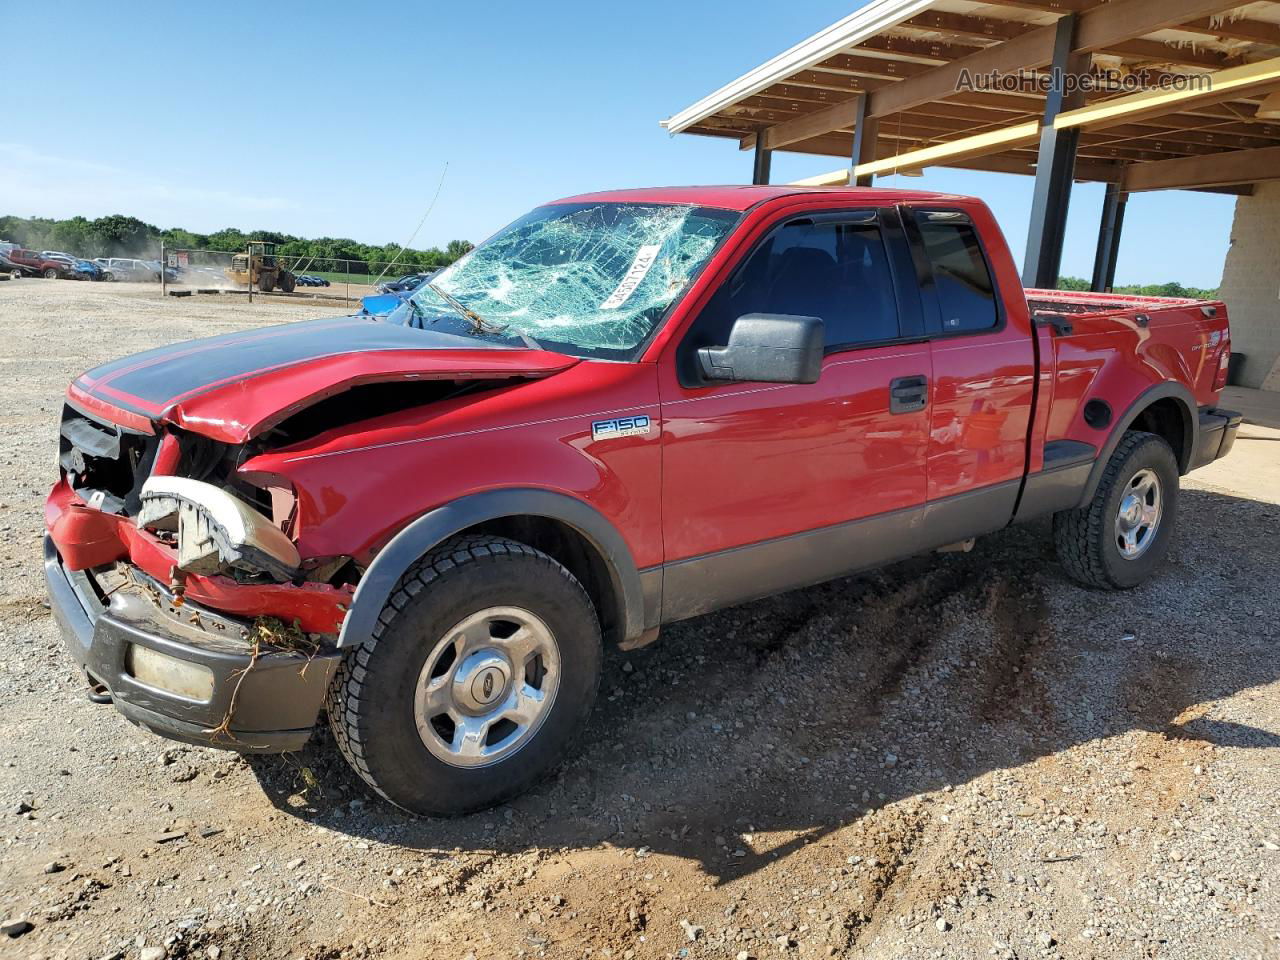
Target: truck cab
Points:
(623, 410)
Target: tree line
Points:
(1171, 289)
(121, 236)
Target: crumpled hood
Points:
(235, 386)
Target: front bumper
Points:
(263, 705)
(1216, 436)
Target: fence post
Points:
(162, 270)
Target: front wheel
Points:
(1117, 540)
(478, 678)
(50, 273)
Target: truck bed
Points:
(1111, 345)
(1073, 302)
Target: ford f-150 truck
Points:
(622, 410)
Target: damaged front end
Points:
(184, 600)
(200, 589)
(215, 531)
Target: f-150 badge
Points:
(620, 427)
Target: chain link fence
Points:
(257, 273)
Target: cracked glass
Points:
(590, 279)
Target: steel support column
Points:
(865, 131)
(1104, 260)
(763, 160)
(1055, 165)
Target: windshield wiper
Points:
(478, 323)
(476, 320)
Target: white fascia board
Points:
(876, 17)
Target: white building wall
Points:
(1251, 284)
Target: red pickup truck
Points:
(37, 265)
(622, 410)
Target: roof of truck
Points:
(740, 197)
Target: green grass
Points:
(336, 278)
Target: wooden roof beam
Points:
(1157, 51)
(1251, 78)
(1254, 31)
(1098, 28)
(932, 51)
(1101, 27)
(1047, 6)
(1218, 170)
(967, 25)
(992, 141)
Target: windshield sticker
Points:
(646, 256)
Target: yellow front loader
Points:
(258, 267)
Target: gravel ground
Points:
(961, 755)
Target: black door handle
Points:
(908, 394)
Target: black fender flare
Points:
(1160, 391)
(438, 525)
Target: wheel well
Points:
(1168, 418)
(578, 555)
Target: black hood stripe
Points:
(151, 381)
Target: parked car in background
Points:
(74, 267)
(11, 269)
(308, 280)
(406, 284)
(127, 268)
(380, 304)
(170, 273)
(38, 265)
(88, 270)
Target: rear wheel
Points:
(1120, 537)
(481, 673)
(286, 282)
(266, 283)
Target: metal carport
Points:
(1187, 96)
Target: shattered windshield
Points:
(590, 279)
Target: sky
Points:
(327, 119)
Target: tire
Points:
(50, 273)
(266, 284)
(286, 282)
(1101, 547)
(108, 277)
(378, 701)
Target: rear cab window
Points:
(961, 297)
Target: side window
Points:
(966, 293)
(838, 271)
